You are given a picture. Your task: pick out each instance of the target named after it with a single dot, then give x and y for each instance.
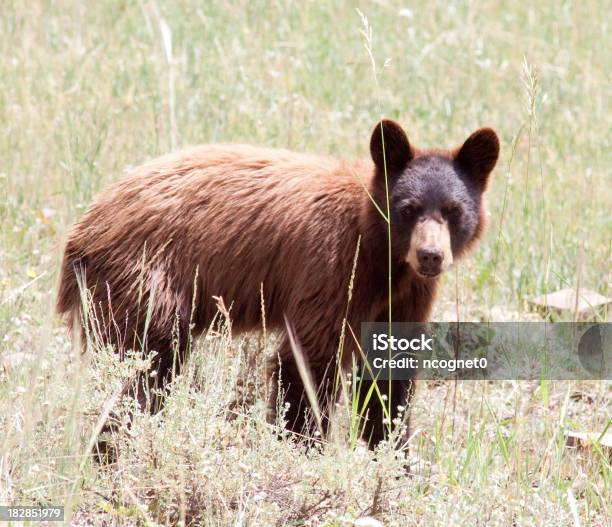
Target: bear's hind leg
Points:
(150, 387)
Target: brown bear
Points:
(242, 222)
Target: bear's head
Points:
(435, 197)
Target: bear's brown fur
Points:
(235, 220)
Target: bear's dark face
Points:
(435, 198)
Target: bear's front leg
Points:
(287, 380)
(391, 401)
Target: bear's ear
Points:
(478, 155)
(396, 152)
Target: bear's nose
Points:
(430, 260)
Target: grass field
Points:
(88, 89)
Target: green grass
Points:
(88, 90)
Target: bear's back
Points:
(238, 216)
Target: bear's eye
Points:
(411, 210)
(452, 209)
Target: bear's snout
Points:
(430, 251)
(430, 260)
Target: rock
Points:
(563, 304)
(588, 440)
